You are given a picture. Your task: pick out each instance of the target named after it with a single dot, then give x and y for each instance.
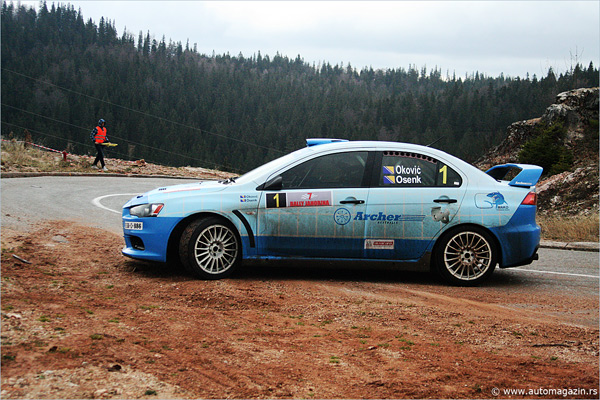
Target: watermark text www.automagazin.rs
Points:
(554, 392)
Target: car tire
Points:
(210, 248)
(466, 256)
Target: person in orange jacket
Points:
(99, 138)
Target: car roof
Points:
(325, 148)
(382, 146)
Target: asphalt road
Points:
(97, 202)
(90, 200)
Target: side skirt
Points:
(421, 265)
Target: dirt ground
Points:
(81, 321)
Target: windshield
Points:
(265, 168)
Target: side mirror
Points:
(272, 184)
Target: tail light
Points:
(530, 199)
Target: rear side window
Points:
(405, 169)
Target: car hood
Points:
(166, 192)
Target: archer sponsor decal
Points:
(380, 217)
(342, 216)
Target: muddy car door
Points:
(310, 209)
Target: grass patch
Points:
(580, 228)
(18, 154)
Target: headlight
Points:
(146, 210)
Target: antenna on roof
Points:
(435, 141)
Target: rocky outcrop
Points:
(570, 193)
(574, 191)
(574, 109)
(517, 135)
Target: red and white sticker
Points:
(379, 244)
(310, 199)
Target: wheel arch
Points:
(173, 243)
(460, 227)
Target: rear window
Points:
(405, 169)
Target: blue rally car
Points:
(411, 206)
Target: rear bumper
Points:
(528, 261)
(519, 239)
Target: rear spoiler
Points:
(527, 175)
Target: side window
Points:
(339, 170)
(404, 169)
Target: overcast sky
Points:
(492, 37)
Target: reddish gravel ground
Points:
(81, 321)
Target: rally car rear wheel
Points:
(210, 248)
(466, 256)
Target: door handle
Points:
(449, 201)
(352, 201)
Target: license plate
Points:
(134, 226)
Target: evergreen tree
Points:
(169, 104)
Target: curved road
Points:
(97, 201)
(89, 200)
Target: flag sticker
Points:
(402, 175)
(246, 198)
(389, 179)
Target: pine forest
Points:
(167, 103)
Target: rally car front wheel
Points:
(210, 248)
(466, 256)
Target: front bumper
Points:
(150, 242)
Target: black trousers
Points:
(100, 155)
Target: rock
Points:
(573, 108)
(574, 191)
(100, 393)
(60, 239)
